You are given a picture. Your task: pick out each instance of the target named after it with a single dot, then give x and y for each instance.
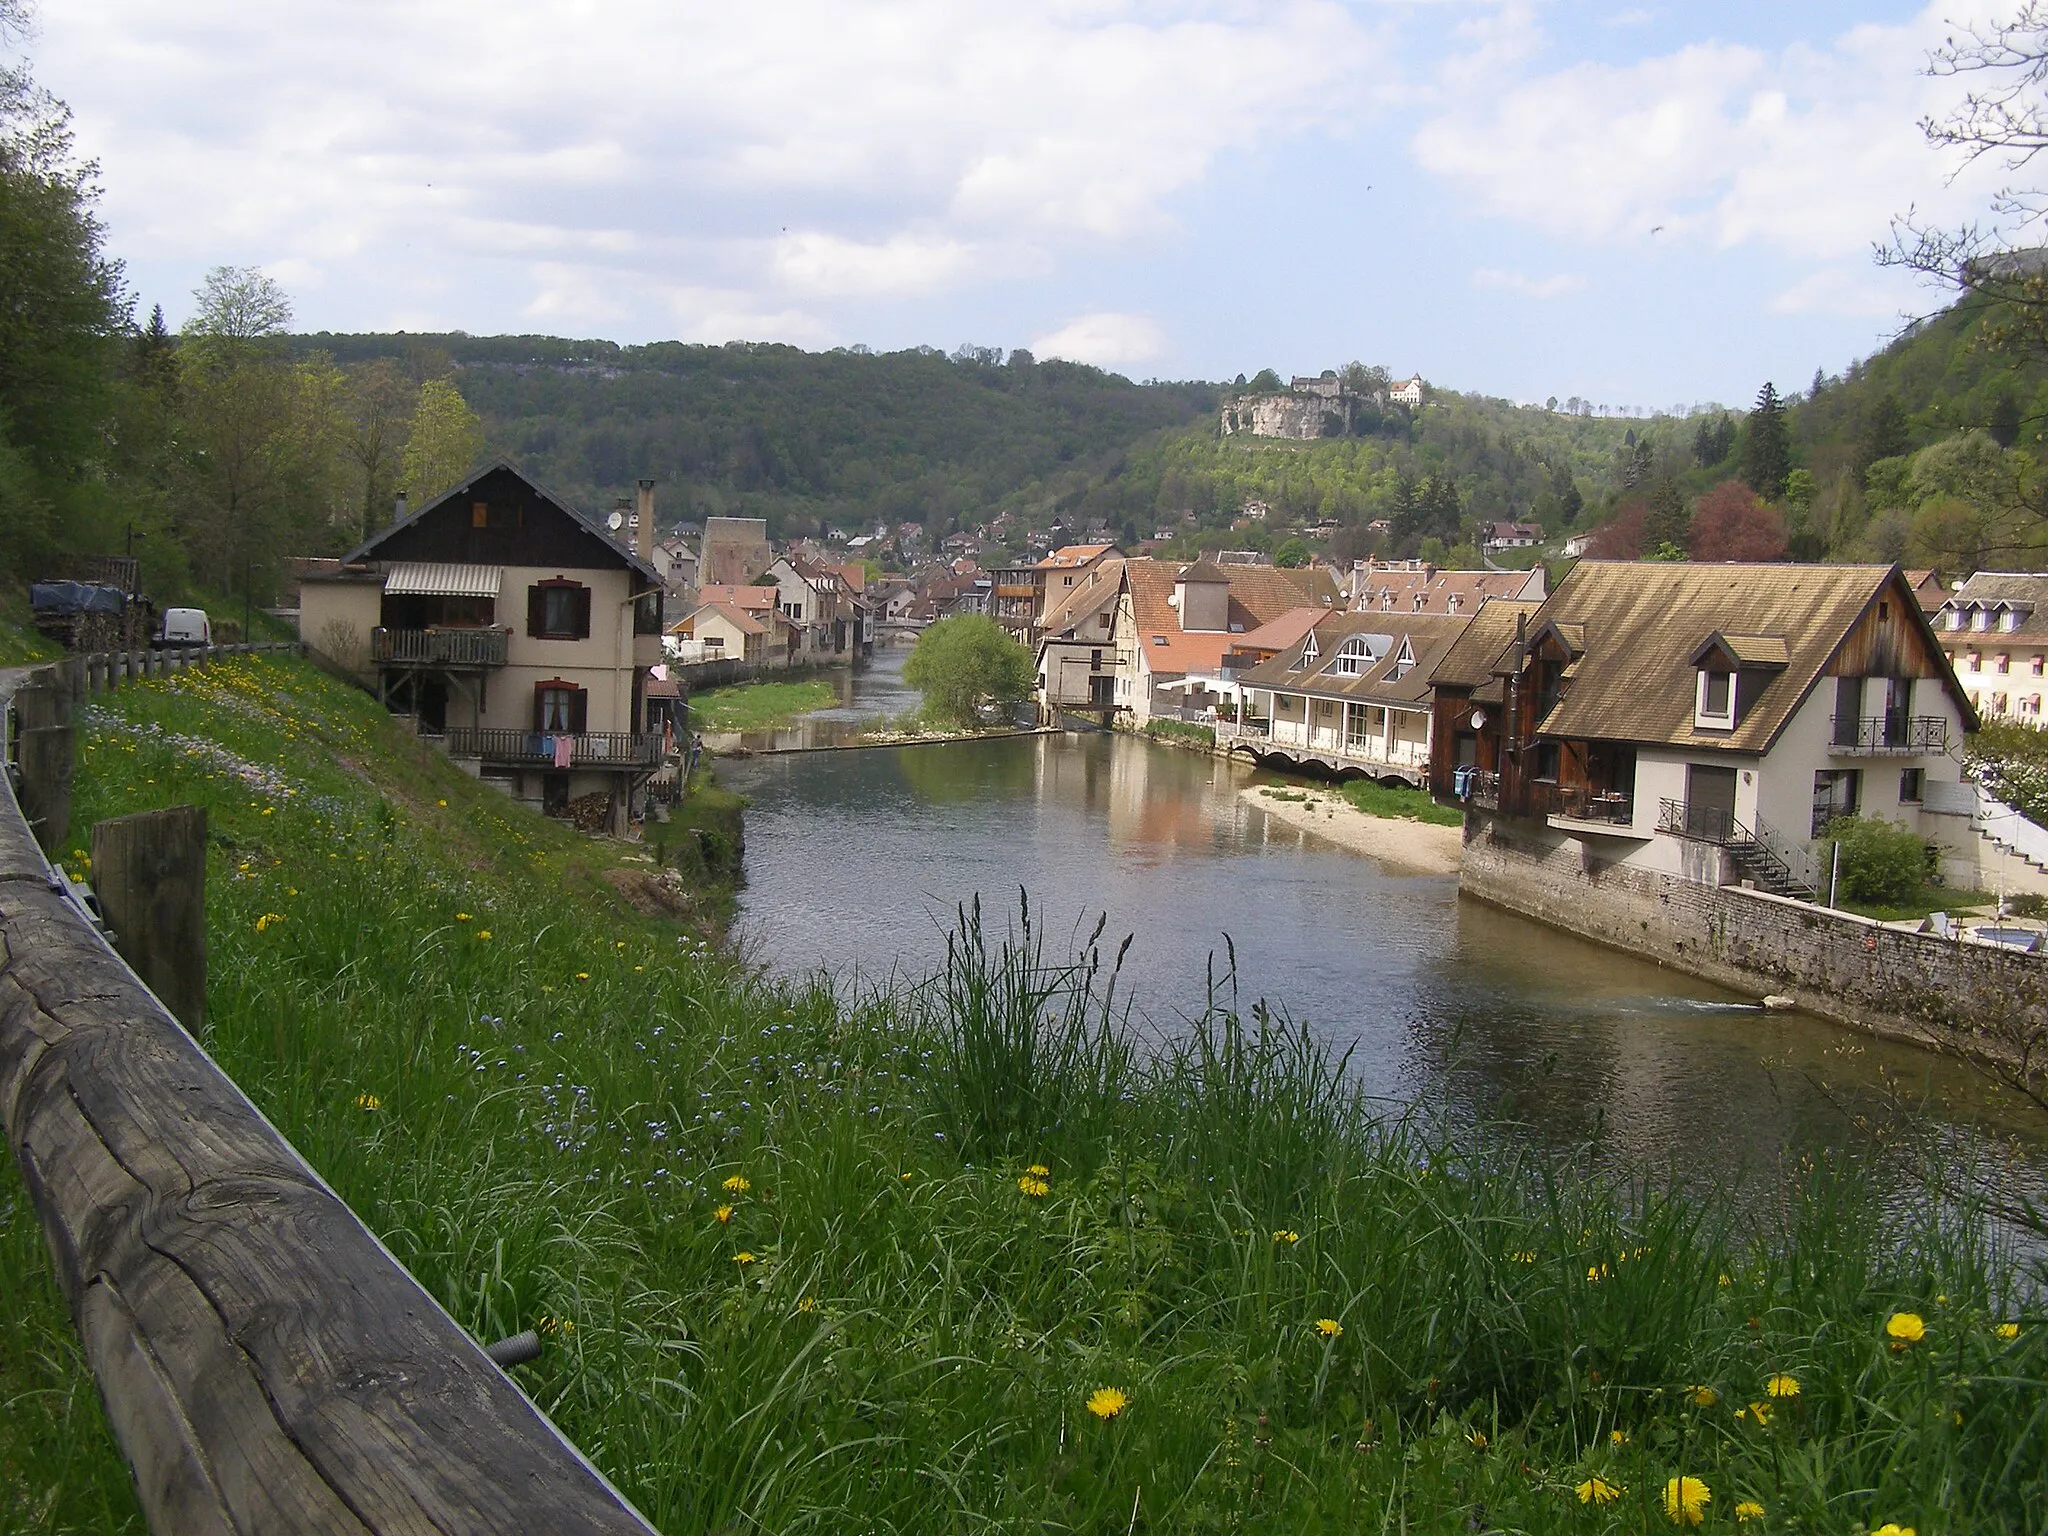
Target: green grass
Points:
(797, 1272)
(755, 706)
(1929, 898)
(1181, 730)
(19, 643)
(1400, 803)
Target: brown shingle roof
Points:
(1643, 623)
(1473, 658)
(2025, 590)
(1425, 636)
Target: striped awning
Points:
(442, 580)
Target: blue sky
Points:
(1640, 204)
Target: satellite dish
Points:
(616, 521)
(1478, 719)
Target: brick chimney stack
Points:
(643, 543)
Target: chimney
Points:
(643, 545)
(624, 531)
(398, 509)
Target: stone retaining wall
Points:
(1850, 969)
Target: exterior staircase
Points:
(1768, 869)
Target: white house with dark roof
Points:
(1994, 628)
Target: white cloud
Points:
(586, 159)
(1529, 287)
(1107, 339)
(1810, 150)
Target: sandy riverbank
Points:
(1413, 847)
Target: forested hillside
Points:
(802, 438)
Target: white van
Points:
(185, 626)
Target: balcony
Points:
(535, 749)
(1890, 734)
(439, 647)
(1579, 808)
(1700, 823)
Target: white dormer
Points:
(1404, 659)
(1714, 707)
(1980, 618)
(1356, 656)
(1309, 653)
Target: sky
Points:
(1644, 205)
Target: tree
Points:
(446, 441)
(1886, 435)
(379, 416)
(1730, 523)
(1665, 520)
(1768, 459)
(1266, 382)
(1713, 440)
(1292, 552)
(237, 309)
(964, 662)
(1621, 537)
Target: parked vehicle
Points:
(184, 627)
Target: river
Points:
(856, 861)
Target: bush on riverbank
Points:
(1399, 802)
(1182, 731)
(964, 1256)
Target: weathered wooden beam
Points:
(149, 872)
(46, 755)
(267, 1366)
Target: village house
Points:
(817, 599)
(1409, 393)
(1416, 586)
(1351, 695)
(1077, 657)
(1512, 535)
(1994, 631)
(1023, 594)
(512, 627)
(722, 631)
(1174, 624)
(1682, 722)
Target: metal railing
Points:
(1480, 788)
(1892, 731)
(590, 749)
(1580, 802)
(440, 647)
(1765, 852)
(1701, 823)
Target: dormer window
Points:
(2008, 620)
(1354, 657)
(1404, 659)
(1309, 651)
(1715, 707)
(1955, 618)
(1980, 618)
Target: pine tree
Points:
(1666, 521)
(1769, 458)
(1886, 435)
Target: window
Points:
(1715, 707)
(1159, 639)
(714, 642)
(1909, 786)
(558, 610)
(1095, 661)
(2001, 662)
(1980, 618)
(2008, 620)
(560, 708)
(1955, 618)
(1325, 708)
(1404, 659)
(2035, 663)
(1309, 653)
(479, 514)
(1070, 581)
(1354, 657)
(1973, 661)
(1548, 758)
(1836, 792)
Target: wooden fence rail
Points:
(266, 1365)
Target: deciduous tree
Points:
(1730, 523)
(446, 441)
(965, 662)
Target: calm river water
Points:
(857, 860)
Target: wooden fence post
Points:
(46, 753)
(40, 705)
(149, 872)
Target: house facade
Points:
(1701, 722)
(1994, 629)
(1175, 623)
(1077, 657)
(734, 551)
(512, 627)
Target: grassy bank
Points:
(755, 706)
(1398, 802)
(965, 1258)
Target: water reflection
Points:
(857, 860)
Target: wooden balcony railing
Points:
(439, 647)
(536, 749)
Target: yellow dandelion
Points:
(1749, 1509)
(1039, 1171)
(743, 1258)
(1893, 1528)
(583, 975)
(1526, 1256)
(1617, 1437)
(1329, 1328)
(442, 803)
(1282, 1235)
(1702, 1396)
(2007, 1330)
(1686, 1500)
(1597, 1490)
(738, 1184)
(1905, 1328)
(1761, 1412)
(462, 917)
(724, 1214)
(1107, 1402)
(483, 933)
(1037, 1189)
(1782, 1385)
(1597, 1272)
(1725, 1279)
(808, 1304)
(368, 1101)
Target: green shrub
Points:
(1882, 862)
(1181, 730)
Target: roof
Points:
(1645, 621)
(1746, 650)
(1070, 555)
(1422, 639)
(1395, 591)
(1204, 570)
(1287, 630)
(1475, 656)
(367, 550)
(2025, 592)
(746, 599)
(739, 620)
(1092, 593)
(405, 579)
(1258, 595)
